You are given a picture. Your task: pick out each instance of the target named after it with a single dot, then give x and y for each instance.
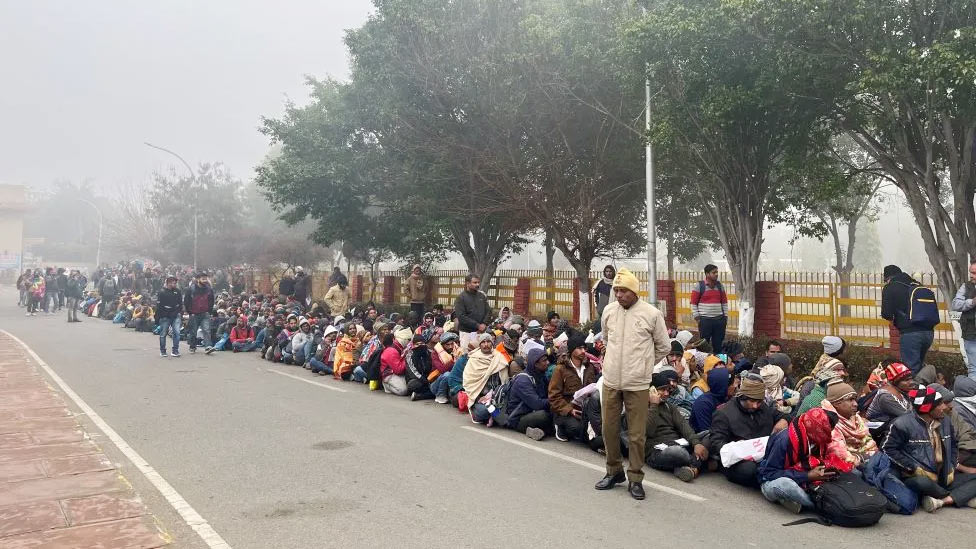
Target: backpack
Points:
(499, 399)
(848, 501)
(923, 309)
(109, 287)
(373, 365)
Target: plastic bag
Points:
(743, 450)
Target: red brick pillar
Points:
(265, 285)
(895, 337)
(249, 281)
(357, 288)
(576, 301)
(665, 294)
(768, 321)
(389, 289)
(523, 293)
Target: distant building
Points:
(13, 207)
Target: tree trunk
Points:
(482, 247)
(670, 260)
(372, 282)
(550, 267)
(740, 232)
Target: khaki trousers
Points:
(612, 403)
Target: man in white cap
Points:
(637, 339)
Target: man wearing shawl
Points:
(479, 378)
(798, 458)
(851, 439)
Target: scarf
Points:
(702, 382)
(344, 361)
(478, 369)
(772, 377)
(828, 370)
(809, 438)
(753, 388)
(851, 439)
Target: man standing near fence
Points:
(710, 308)
(637, 339)
(473, 311)
(912, 309)
(965, 303)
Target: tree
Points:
(131, 229)
(722, 110)
(68, 225)
(900, 78)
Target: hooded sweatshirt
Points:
(529, 390)
(705, 405)
(965, 391)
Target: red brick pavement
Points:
(57, 488)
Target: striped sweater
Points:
(709, 301)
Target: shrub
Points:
(860, 359)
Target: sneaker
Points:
(176, 354)
(441, 399)
(162, 354)
(208, 350)
(193, 350)
(413, 397)
(686, 474)
(971, 503)
(559, 435)
(792, 506)
(535, 433)
(33, 314)
(931, 504)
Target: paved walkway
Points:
(57, 488)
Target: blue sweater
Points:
(455, 379)
(772, 465)
(527, 394)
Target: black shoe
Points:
(636, 490)
(610, 481)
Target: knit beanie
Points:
(626, 279)
(924, 398)
(896, 371)
(947, 395)
(576, 341)
(752, 386)
(660, 380)
(403, 336)
(830, 370)
(839, 391)
(832, 344)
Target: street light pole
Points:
(651, 218)
(193, 177)
(98, 250)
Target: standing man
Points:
(72, 292)
(338, 298)
(710, 308)
(637, 339)
(303, 287)
(899, 301)
(965, 303)
(62, 286)
(415, 288)
(198, 302)
(472, 309)
(169, 313)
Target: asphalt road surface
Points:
(273, 457)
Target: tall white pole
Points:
(193, 177)
(98, 250)
(651, 219)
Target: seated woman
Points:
(528, 402)
(345, 356)
(392, 363)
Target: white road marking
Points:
(293, 376)
(588, 465)
(189, 514)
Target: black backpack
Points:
(848, 501)
(373, 365)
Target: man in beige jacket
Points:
(637, 339)
(415, 288)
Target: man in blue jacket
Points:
(924, 449)
(528, 399)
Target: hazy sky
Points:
(85, 83)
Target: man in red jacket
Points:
(242, 336)
(710, 308)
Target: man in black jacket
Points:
(169, 314)
(896, 296)
(745, 417)
(472, 309)
(72, 291)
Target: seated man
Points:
(745, 417)
(532, 338)
(890, 402)
(374, 344)
(445, 354)
(965, 434)
(964, 408)
(665, 427)
(321, 363)
(922, 447)
(242, 336)
(528, 403)
(484, 371)
(299, 340)
(798, 458)
(721, 386)
(223, 332)
(573, 372)
(851, 440)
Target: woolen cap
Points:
(832, 344)
(626, 279)
(839, 391)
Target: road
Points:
(274, 457)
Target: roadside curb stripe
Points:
(293, 376)
(187, 512)
(650, 485)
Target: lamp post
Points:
(193, 177)
(98, 250)
(649, 181)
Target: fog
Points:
(87, 83)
